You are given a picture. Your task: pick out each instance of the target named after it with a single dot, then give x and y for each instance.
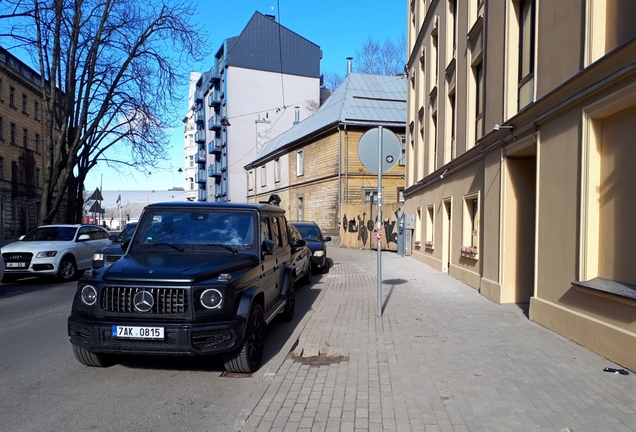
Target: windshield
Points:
(310, 232)
(51, 234)
(198, 229)
(126, 233)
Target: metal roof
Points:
(266, 45)
(361, 100)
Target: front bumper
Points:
(36, 267)
(179, 338)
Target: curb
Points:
(269, 370)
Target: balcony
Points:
(214, 123)
(199, 116)
(214, 98)
(199, 136)
(198, 95)
(200, 177)
(202, 195)
(214, 147)
(200, 158)
(215, 80)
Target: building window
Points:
(277, 170)
(191, 161)
(479, 100)
(452, 11)
(11, 97)
(12, 136)
(430, 226)
(264, 175)
(526, 53)
(25, 138)
(250, 180)
(191, 183)
(301, 208)
(417, 235)
(453, 145)
(1, 92)
(37, 143)
(37, 176)
(400, 194)
(36, 110)
(1, 168)
(433, 161)
(370, 194)
(470, 229)
(300, 164)
(403, 151)
(1, 130)
(24, 103)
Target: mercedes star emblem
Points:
(143, 301)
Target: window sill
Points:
(429, 245)
(610, 289)
(469, 252)
(418, 244)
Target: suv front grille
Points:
(166, 300)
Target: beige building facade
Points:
(22, 152)
(520, 119)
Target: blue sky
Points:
(339, 27)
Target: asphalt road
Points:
(43, 387)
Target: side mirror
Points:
(268, 247)
(124, 245)
(299, 243)
(84, 237)
(326, 239)
(112, 237)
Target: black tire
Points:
(88, 358)
(325, 268)
(9, 279)
(306, 279)
(287, 313)
(67, 271)
(248, 356)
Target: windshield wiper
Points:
(179, 248)
(224, 246)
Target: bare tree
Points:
(109, 74)
(331, 80)
(386, 58)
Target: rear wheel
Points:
(88, 358)
(247, 357)
(288, 311)
(67, 271)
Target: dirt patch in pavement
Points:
(319, 360)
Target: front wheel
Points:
(247, 357)
(88, 358)
(67, 271)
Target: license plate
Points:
(15, 265)
(131, 332)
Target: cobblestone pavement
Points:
(441, 358)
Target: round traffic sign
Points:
(369, 145)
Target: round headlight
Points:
(211, 299)
(89, 295)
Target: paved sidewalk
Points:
(441, 358)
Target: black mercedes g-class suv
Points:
(197, 278)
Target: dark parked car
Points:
(316, 241)
(301, 256)
(113, 252)
(197, 278)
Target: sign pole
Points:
(379, 223)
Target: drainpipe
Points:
(339, 177)
(346, 165)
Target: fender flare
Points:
(247, 298)
(289, 277)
